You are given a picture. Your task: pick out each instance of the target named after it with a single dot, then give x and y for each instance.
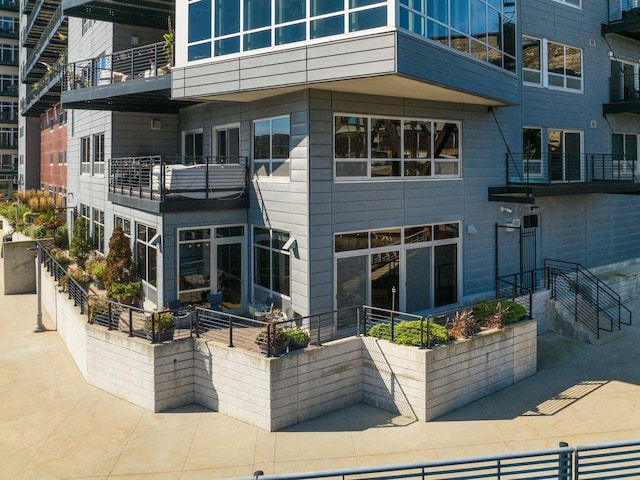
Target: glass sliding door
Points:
(418, 279)
(229, 271)
(351, 283)
(565, 155)
(385, 276)
(445, 259)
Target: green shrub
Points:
(298, 336)
(511, 312)
(163, 321)
(408, 332)
(122, 291)
(81, 245)
(36, 231)
(61, 237)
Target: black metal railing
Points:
(558, 168)
(623, 9)
(138, 63)
(50, 29)
(521, 287)
(589, 300)
(624, 87)
(40, 88)
(167, 177)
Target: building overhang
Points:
(174, 206)
(143, 13)
(631, 106)
(389, 63)
(149, 95)
(385, 85)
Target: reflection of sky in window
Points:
(199, 20)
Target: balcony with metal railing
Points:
(50, 45)
(178, 183)
(133, 80)
(43, 94)
(623, 18)
(554, 174)
(624, 93)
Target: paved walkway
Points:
(55, 426)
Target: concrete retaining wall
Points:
(425, 384)
(272, 393)
(19, 272)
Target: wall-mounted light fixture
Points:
(505, 209)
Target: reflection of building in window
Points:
(395, 147)
(146, 254)
(271, 148)
(271, 263)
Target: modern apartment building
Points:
(329, 153)
(9, 51)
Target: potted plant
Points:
(272, 339)
(298, 338)
(163, 325)
(125, 293)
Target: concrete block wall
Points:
(394, 377)
(233, 381)
(272, 393)
(307, 384)
(464, 371)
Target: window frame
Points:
(98, 229)
(97, 160)
(433, 162)
(145, 250)
(85, 155)
(273, 251)
(269, 162)
(545, 74)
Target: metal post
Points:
(230, 332)
(38, 327)
(564, 462)
(393, 307)
(319, 343)
(109, 310)
(153, 327)
(421, 332)
(130, 322)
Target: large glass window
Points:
(98, 154)
(192, 147)
(146, 254)
(210, 260)
(271, 148)
(484, 29)
(9, 85)
(562, 68)
(271, 267)
(8, 137)
(218, 29)
(383, 148)
(98, 230)
(85, 155)
(420, 263)
(9, 54)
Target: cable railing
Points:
(623, 10)
(559, 168)
(145, 62)
(161, 178)
(598, 461)
(589, 300)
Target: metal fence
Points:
(601, 461)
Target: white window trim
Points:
(402, 177)
(254, 286)
(270, 177)
(544, 70)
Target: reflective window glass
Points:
(227, 17)
(290, 10)
(291, 34)
(320, 7)
(365, 19)
(328, 26)
(227, 46)
(199, 21)
(256, 40)
(257, 14)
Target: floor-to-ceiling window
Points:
(419, 263)
(211, 260)
(271, 263)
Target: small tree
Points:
(81, 245)
(120, 266)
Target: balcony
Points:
(149, 13)
(134, 80)
(43, 94)
(559, 174)
(624, 94)
(10, 5)
(9, 60)
(51, 44)
(623, 18)
(169, 184)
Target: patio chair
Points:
(264, 311)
